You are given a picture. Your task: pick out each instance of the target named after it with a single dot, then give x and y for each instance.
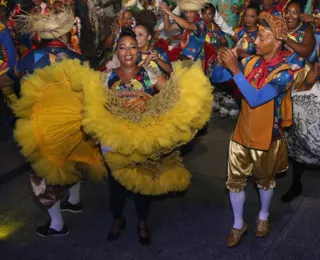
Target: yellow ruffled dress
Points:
(64, 104)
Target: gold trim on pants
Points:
(262, 165)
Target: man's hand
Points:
(230, 60)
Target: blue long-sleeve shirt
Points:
(273, 90)
(8, 51)
(255, 97)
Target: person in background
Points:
(148, 54)
(125, 20)
(300, 42)
(193, 28)
(7, 63)
(55, 40)
(247, 35)
(40, 7)
(313, 19)
(303, 137)
(218, 19)
(269, 6)
(214, 34)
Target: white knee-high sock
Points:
(265, 199)
(237, 201)
(56, 217)
(74, 193)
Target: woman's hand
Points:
(155, 56)
(115, 27)
(306, 18)
(164, 8)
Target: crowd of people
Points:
(159, 70)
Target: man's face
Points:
(265, 42)
(191, 16)
(267, 4)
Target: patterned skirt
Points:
(303, 137)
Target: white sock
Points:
(237, 201)
(265, 199)
(74, 194)
(56, 217)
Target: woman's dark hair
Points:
(125, 32)
(300, 3)
(209, 6)
(147, 19)
(254, 7)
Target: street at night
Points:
(194, 226)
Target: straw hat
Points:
(129, 3)
(46, 26)
(192, 5)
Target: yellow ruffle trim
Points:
(49, 127)
(152, 135)
(140, 160)
(155, 177)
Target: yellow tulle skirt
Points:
(49, 127)
(66, 103)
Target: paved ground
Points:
(191, 227)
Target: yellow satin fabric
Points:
(300, 76)
(262, 165)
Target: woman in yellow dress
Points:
(138, 132)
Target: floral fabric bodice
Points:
(162, 53)
(245, 40)
(192, 43)
(296, 62)
(137, 91)
(316, 13)
(214, 36)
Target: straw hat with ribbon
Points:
(192, 5)
(46, 26)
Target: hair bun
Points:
(127, 32)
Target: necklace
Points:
(296, 28)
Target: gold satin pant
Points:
(261, 165)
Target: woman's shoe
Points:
(143, 240)
(114, 236)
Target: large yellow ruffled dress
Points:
(66, 109)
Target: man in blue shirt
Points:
(258, 146)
